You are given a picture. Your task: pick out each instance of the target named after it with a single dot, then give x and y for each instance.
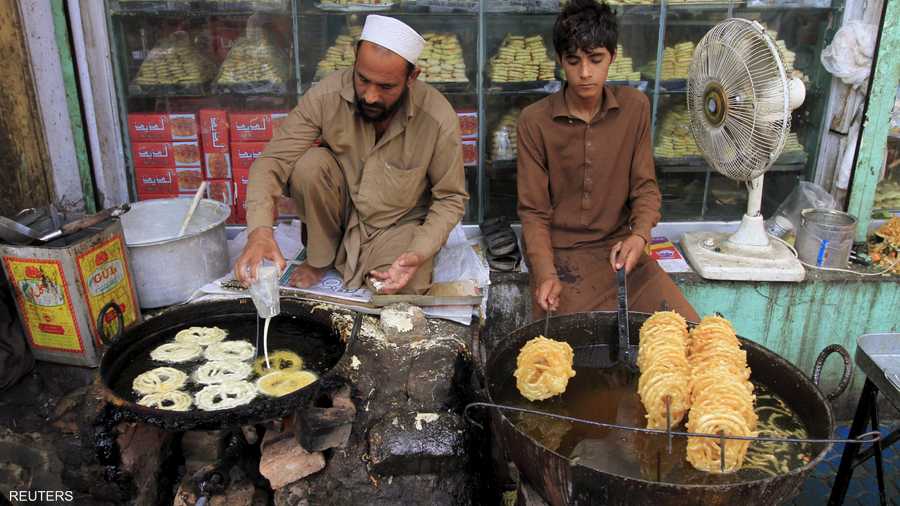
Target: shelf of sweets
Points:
(198, 7)
(676, 150)
(175, 66)
(442, 62)
(405, 7)
(522, 64)
(254, 65)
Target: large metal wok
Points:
(561, 480)
(297, 328)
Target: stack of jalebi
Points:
(665, 373)
(543, 368)
(722, 397)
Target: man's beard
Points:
(377, 113)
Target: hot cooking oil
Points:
(610, 396)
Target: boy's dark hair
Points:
(585, 25)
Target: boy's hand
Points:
(547, 294)
(627, 253)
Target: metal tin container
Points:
(168, 269)
(65, 289)
(825, 237)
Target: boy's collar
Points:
(559, 108)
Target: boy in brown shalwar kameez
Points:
(588, 197)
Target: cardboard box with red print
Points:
(254, 126)
(468, 123)
(243, 154)
(470, 152)
(166, 154)
(156, 181)
(188, 179)
(162, 127)
(221, 190)
(217, 165)
(214, 130)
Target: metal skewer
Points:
(722, 451)
(868, 437)
(668, 424)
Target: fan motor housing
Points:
(715, 106)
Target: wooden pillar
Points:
(25, 179)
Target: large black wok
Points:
(297, 328)
(563, 481)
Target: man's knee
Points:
(316, 169)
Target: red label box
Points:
(470, 152)
(254, 126)
(218, 165)
(214, 130)
(162, 127)
(155, 181)
(188, 179)
(166, 154)
(468, 123)
(221, 190)
(243, 154)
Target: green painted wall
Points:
(798, 320)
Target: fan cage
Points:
(738, 62)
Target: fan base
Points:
(714, 257)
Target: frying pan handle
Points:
(101, 319)
(845, 377)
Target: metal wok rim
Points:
(498, 351)
(259, 409)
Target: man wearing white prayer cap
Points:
(386, 185)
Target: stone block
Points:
(417, 443)
(431, 375)
(143, 448)
(237, 493)
(201, 448)
(326, 424)
(403, 323)
(284, 461)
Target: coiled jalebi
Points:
(221, 371)
(175, 353)
(722, 397)
(665, 372)
(204, 336)
(173, 400)
(159, 380)
(225, 395)
(279, 383)
(543, 368)
(281, 360)
(230, 350)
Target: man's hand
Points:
(547, 294)
(260, 245)
(626, 253)
(398, 275)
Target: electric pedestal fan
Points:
(739, 101)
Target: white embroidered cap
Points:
(395, 35)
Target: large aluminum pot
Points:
(168, 269)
